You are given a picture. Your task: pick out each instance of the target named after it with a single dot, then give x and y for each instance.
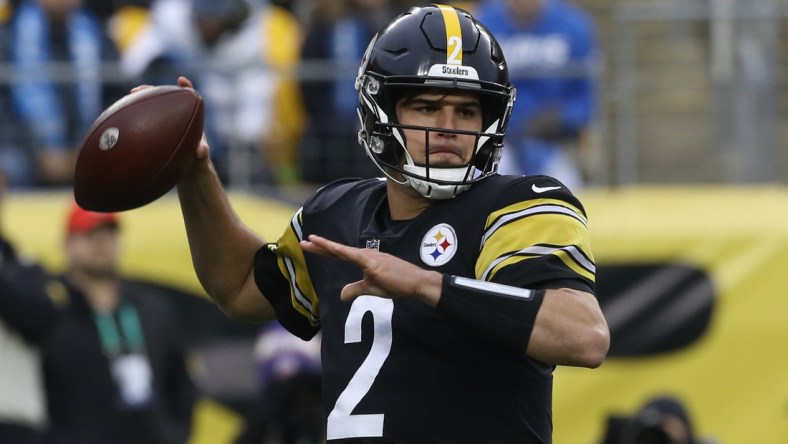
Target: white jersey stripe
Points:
(573, 251)
(296, 224)
(294, 285)
(540, 209)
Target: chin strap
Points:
(432, 190)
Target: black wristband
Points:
(505, 314)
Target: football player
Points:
(446, 294)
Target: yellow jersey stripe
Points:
(292, 264)
(453, 35)
(527, 235)
(528, 208)
(536, 228)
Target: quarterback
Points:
(446, 294)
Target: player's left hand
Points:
(384, 275)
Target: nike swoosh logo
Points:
(540, 190)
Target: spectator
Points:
(115, 364)
(17, 156)
(105, 9)
(335, 41)
(58, 48)
(241, 52)
(126, 23)
(5, 10)
(552, 49)
(26, 315)
(290, 411)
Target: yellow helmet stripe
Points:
(453, 35)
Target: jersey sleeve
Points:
(281, 275)
(537, 237)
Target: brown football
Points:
(138, 148)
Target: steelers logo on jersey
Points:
(438, 245)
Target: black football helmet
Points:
(431, 47)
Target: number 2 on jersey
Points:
(341, 423)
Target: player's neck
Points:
(404, 202)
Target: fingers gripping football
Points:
(139, 148)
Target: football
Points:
(138, 148)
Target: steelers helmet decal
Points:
(454, 48)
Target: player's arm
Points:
(222, 248)
(561, 326)
(557, 326)
(536, 258)
(570, 329)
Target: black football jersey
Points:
(397, 370)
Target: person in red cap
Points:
(83, 221)
(115, 365)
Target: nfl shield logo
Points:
(374, 244)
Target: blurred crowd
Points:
(277, 77)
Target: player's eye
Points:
(468, 112)
(427, 108)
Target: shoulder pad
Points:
(334, 192)
(508, 190)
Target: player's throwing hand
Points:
(384, 275)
